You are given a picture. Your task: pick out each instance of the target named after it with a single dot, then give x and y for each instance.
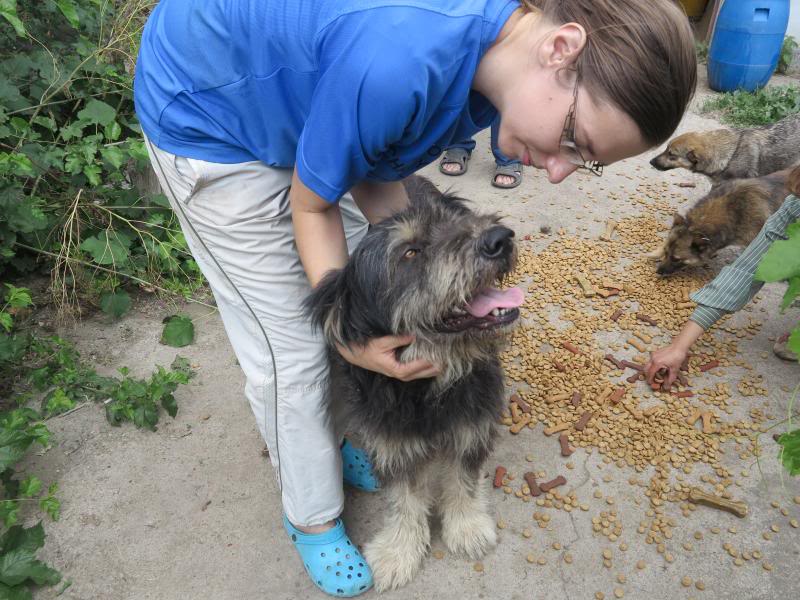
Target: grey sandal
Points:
(511, 170)
(455, 156)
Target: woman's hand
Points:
(667, 362)
(380, 355)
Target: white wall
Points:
(794, 19)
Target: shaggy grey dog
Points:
(429, 271)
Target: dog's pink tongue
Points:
(492, 298)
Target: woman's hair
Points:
(639, 56)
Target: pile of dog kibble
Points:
(570, 372)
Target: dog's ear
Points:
(793, 182)
(678, 219)
(701, 242)
(701, 161)
(325, 305)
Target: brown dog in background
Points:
(732, 213)
(724, 154)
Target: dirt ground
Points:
(192, 511)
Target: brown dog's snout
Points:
(496, 242)
(668, 267)
(657, 163)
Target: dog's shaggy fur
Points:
(428, 439)
(731, 214)
(735, 153)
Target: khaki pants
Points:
(238, 225)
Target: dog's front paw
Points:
(469, 533)
(393, 564)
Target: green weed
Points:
(765, 106)
(787, 54)
(52, 368)
(782, 263)
(70, 146)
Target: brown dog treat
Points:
(522, 423)
(556, 428)
(559, 367)
(707, 425)
(632, 365)
(611, 225)
(564, 441)
(696, 495)
(617, 395)
(709, 365)
(617, 314)
(683, 394)
(586, 286)
(617, 363)
(576, 399)
(499, 474)
(553, 483)
(646, 319)
(608, 293)
(687, 184)
(530, 479)
(696, 414)
(584, 420)
(526, 408)
(634, 378)
(637, 344)
(572, 348)
(558, 397)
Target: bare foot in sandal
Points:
(508, 176)
(455, 161)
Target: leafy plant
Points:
(52, 365)
(787, 54)
(701, 51)
(70, 147)
(782, 263)
(178, 331)
(762, 107)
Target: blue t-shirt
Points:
(345, 90)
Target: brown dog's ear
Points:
(700, 241)
(678, 219)
(793, 182)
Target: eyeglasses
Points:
(569, 147)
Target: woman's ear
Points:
(564, 45)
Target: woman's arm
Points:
(671, 358)
(322, 246)
(727, 292)
(380, 200)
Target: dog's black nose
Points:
(666, 269)
(496, 242)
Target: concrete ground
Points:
(192, 511)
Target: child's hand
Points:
(666, 362)
(380, 355)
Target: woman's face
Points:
(534, 118)
(529, 75)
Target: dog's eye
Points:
(410, 253)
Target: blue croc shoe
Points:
(331, 560)
(356, 468)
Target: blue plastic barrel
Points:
(746, 44)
